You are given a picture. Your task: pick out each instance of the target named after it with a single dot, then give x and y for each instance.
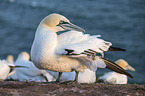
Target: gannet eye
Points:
(63, 22)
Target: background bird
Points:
(116, 78)
(10, 59)
(30, 73)
(5, 70)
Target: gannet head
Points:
(23, 56)
(10, 59)
(124, 64)
(57, 22)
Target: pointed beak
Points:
(130, 68)
(18, 67)
(70, 26)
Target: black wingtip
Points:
(69, 51)
(111, 48)
(114, 67)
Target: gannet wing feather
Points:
(76, 44)
(111, 48)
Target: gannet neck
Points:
(46, 37)
(44, 45)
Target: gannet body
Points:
(5, 70)
(116, 78)
(69, 51)
(88, 76)
(30, 73)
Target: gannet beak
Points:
(130, 68)
(70, 26)
(18, 67)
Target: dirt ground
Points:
(17, 88)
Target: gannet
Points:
(5, 69)
(10, 59)
(69, 51)
(88, 76)
(31, 73)
(116, 78)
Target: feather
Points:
(111, 48)
(114, 67)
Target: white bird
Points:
(116, 78)
(5, 70)
(30, 73)
(88, 76)
(69, 51)
(10, 59)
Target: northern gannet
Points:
(10, 59)
(30, 73)
(88, 76)
(69, 51)
(116, 78)
(5, 70)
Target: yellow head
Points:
(124, 64)
(10, 59)
(57, 22)
(23, 56)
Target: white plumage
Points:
(30, 72)
(5, 70)
(69, 51)
(88, 76)
(48, 49)
(79, 42)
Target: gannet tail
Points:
(114, 67)
(111, 48)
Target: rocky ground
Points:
(16, 88)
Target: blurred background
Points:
(121, 22)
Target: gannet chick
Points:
(69, 51)
(5, 70)
(31, 73)
(116, 78)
